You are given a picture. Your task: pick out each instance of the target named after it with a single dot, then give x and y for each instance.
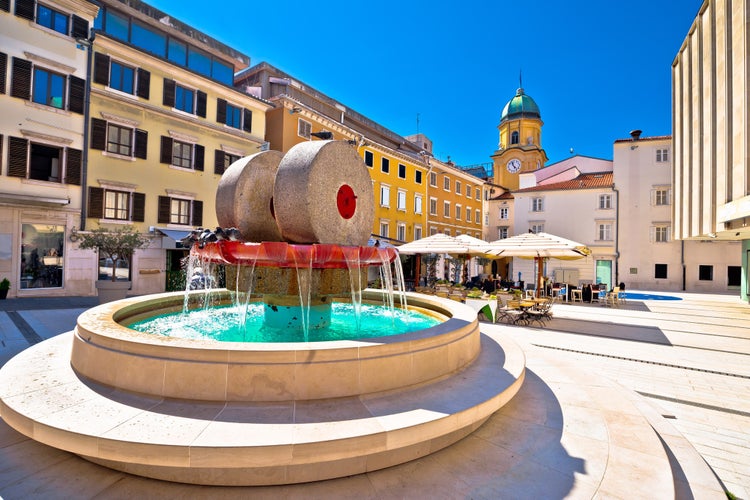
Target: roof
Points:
(520, 106)
(583, 181)
(652, 138)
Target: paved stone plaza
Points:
(599, 382)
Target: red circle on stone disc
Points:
(346, 201)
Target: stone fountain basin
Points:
(106, 351)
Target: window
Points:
(148, 38)
(116, 205)
(661, 197)
(433, 179)
(401, 200)
(537, 228)
(182, 154)
(385, 165)
(660, 271)
(477, 194)
(384, 229)
(502, 232)
(52, 19)
(122, 77)
(734, 275)
(184, 99)
(119, 140)
(223, 161)
(179, 211)
(446, 209)
(661, 234)
(385, 196)
(458, 187)
(468, 191)
(706, 273)
(418, 176)
(537, 204)
(504, 213)
(369, 158)
(514, 137)
(468, 214)
(45, 162)
(234, 116)
(304, 128)
(401, 232)
(417, 204)
(42, 248)
(605, 201)
(477, 216)
(417, 232)
(401, 171)
(458, 212)
(662, 155)
(433, 206)
(605, 232)
(49, 88)
(446, 183)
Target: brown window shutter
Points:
(80, 27)
(20, 85)
(101, 68)
(139, 207)
(218, 161)
(200, 153)
(73, 167)
(141, 144)
(144, 84)
(25, 9)
(5, 5)
(169, 91)
(200, 107)
(247, 120)
(17, 153)
(163, 215)
(96, 203)
(1, 154)
(166, 150)
(3, 71)
(98, 134)
(197, 213)
(221, 111)
(77, 94)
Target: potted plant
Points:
(4, 287)
(113, 245)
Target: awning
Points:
(175, 234)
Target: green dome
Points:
(521, 106)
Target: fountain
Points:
(235, 413)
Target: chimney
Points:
(636, 134)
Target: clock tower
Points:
(520, 145)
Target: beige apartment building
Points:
(711, 134)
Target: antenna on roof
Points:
(520, 78)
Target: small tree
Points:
(114, 244)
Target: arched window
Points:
(514, 137)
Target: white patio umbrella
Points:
(539, 246)
(440, 243)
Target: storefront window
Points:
(105, 269)
(42, 248)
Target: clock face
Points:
(514, 165)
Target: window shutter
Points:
(139, 207)
(25, 9)
(73, 167)
(197, 213)
(218, 161)
(77, 94)
(80, 27)
(141, 144)
(3, 71)
(17, 152)
(20, 85)
(247, 120)
(163, 215)
(96, 202)
(144, 84)
(169, 91)
(5, 5)
(221, 111)
(200, 153)
(101, 68)
(200, 108)
(166, 150)
(652, 234)
(98, 134)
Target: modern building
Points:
(649, 257)
(711, 136)
(43, 61)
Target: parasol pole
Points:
(540, 270)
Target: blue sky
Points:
(597, 68)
